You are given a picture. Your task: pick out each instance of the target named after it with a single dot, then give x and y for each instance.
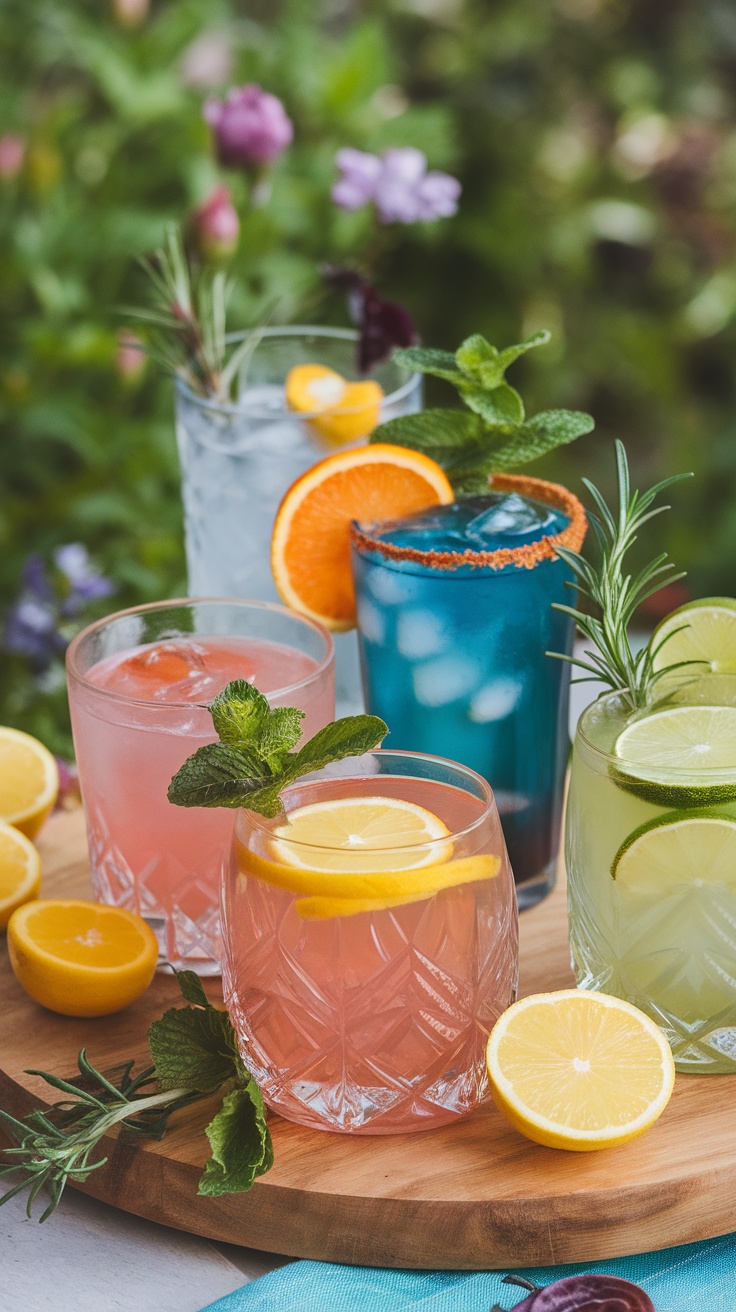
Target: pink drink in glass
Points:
(138, 711)
(373, 1022)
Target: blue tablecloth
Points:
(693, 1278)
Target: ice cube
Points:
(439, 682)
(371, 622)
(388, 586)
(494, 701)
(511, 515)
(419, 633)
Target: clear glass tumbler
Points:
(363, 981)
(139, 685)
(238, 460)
(452, 646)
(651, 862)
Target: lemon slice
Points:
(707, 634)
(661, 856)
(81, 958)
(666, 757)
(579, 1070)
(29, 781)
(360, 835)
(20, 871)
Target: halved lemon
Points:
(20, 871)
(579, 1070)
(81, 958)
(310, 547)
(29, 781)
(338, 410)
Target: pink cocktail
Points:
(363, 981)
(139, 685)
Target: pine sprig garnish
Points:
(195, 1054)
(616, 595)
(187, 321)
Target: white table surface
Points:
(89, 1257)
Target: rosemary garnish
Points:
(195, 1054)
(615, 595)
(187, 321)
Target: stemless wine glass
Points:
(363, 981)
(139, 685)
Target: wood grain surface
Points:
(475, 1195)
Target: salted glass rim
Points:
(664, 772)
(75, 673)
(294, 330)
(431, 844)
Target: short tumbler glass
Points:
(372, 1019)
(139, 685)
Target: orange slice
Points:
(310, 547)
(20, 871)
(336, 409)
(81, 958)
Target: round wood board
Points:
(475, 1195)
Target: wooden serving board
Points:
(475, 1195)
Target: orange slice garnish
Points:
(310, 547)
(336, 409)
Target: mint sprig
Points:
(494, 435)
(253, 761)
(195, 1054)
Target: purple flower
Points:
(12, 155)
(359, 173)
(85, 582)
(251, 127)
(382, 324)
(397, 183)
(216, 225)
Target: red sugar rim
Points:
(524, 557)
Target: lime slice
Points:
(677, 849)
(666, 757)
(703, 631)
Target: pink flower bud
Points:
(216, 226)
(130, 13)
(207, 62)
(251, 127)
(130, 359)
(12, 154)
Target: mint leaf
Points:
(501, 406)
(485, 364)
(432, 431)
(240, 1142)
(238, 712)
(426, 360)
(192, 987)
(352, 736)
(540, 434)
(280, 732)
(217, 775)
(194, 1048)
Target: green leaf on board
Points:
(240, 1142)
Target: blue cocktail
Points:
(455, 617)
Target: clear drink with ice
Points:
(139, 685)
(454, 619)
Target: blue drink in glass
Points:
(454, 617)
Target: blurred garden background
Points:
(596, 145)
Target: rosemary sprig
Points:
(195, 1054)
(615, 594)
(187, 321)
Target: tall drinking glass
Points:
(651, 861)
(363, 976)
(454, 618)
(238, 460)
(139, 684)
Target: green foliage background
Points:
(596, 145)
